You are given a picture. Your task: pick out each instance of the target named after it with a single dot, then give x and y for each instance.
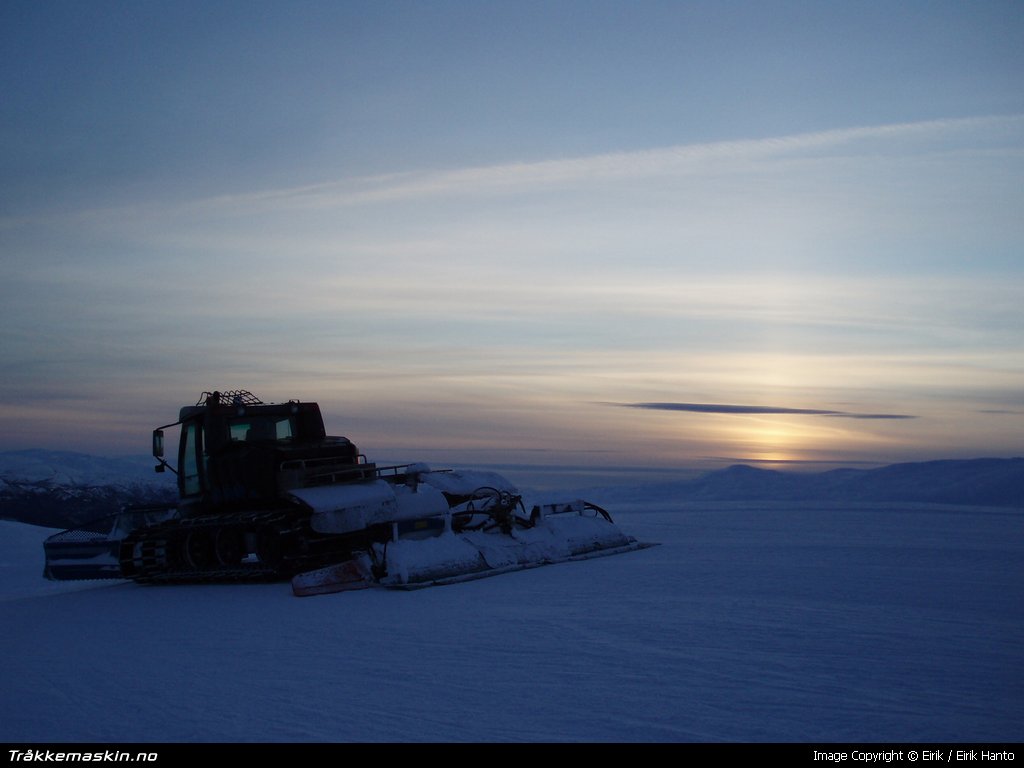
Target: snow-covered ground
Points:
(749, 623)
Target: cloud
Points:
(759, 409)
(793, 462)
(634, 164)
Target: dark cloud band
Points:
(759, 409)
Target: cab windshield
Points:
(246, 429)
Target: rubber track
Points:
(144, 552)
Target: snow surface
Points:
(751, 622)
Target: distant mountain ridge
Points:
(63, 488)
(70, 467)
(976, 482)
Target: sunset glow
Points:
(501, 237)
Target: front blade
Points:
(341, 577)
(72, 560)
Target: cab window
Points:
(189, 460)
(248, 430)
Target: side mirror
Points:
(158, 443)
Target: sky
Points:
(676, 235)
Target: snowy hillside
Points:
(751, 622)
(69, 468)
(62, 488)
(985, 482)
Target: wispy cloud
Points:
(638, 164)
(789, 462)
(588, 172)
(759, 409)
